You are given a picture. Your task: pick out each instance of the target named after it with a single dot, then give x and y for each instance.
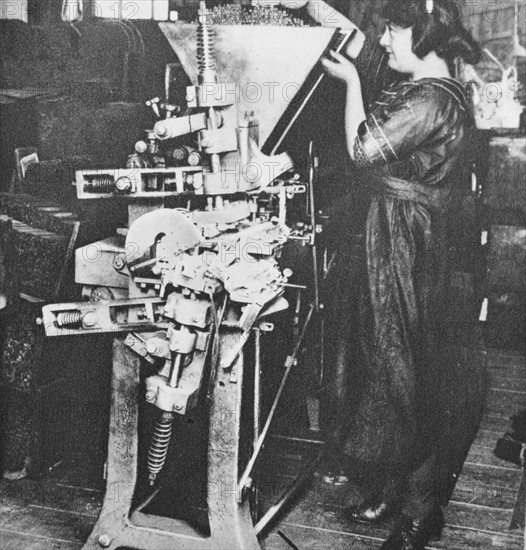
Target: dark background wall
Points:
(87, 85)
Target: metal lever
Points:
(313, 168)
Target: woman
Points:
(413, 139)
(412, 144)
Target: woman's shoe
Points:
(415, 534)
(372, 511)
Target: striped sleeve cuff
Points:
(375, 143)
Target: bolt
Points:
(124, 185)
(194, 158)
(161, 130)
(89, 320)
(118, 262)
(171, 110)
(141, 147)
(177, 407)
(150, 395)
(104, 541)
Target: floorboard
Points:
(21, 541)
(44, 523)
(58, 511)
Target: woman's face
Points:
(398, 42)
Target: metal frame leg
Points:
(230, 523)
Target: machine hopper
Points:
(271, 70)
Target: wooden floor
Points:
(57, 512)
(477, 518)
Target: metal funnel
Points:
(266, 65)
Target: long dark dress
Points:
(413, 142)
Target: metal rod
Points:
(287, 540)
(282, 205)
(214, 157)
(296, 320)
(299, 439)
(257, 383)
(176, 369)
(147, 501)
(304, 476)
(312, 211)
(330, 265)
(290, 285)
(312, 176)
(321, 370)
(144, 264)
(316, 277)
(289, 363)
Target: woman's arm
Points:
(342, 69)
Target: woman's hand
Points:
(341, 68)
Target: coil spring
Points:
(159, 447)
(100, 184)
(205, 50)
(69, 319)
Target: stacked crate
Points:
(32, 269)
(36, 373)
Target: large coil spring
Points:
(69, 319)
(159, 446)
(205, 48)
(100, 184)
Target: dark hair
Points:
(441, 30)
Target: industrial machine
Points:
(195, 276)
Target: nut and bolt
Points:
(89, 319)
(104, 541)
(118, 262)
(161, 130)
(150, 395)
(124, 185)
